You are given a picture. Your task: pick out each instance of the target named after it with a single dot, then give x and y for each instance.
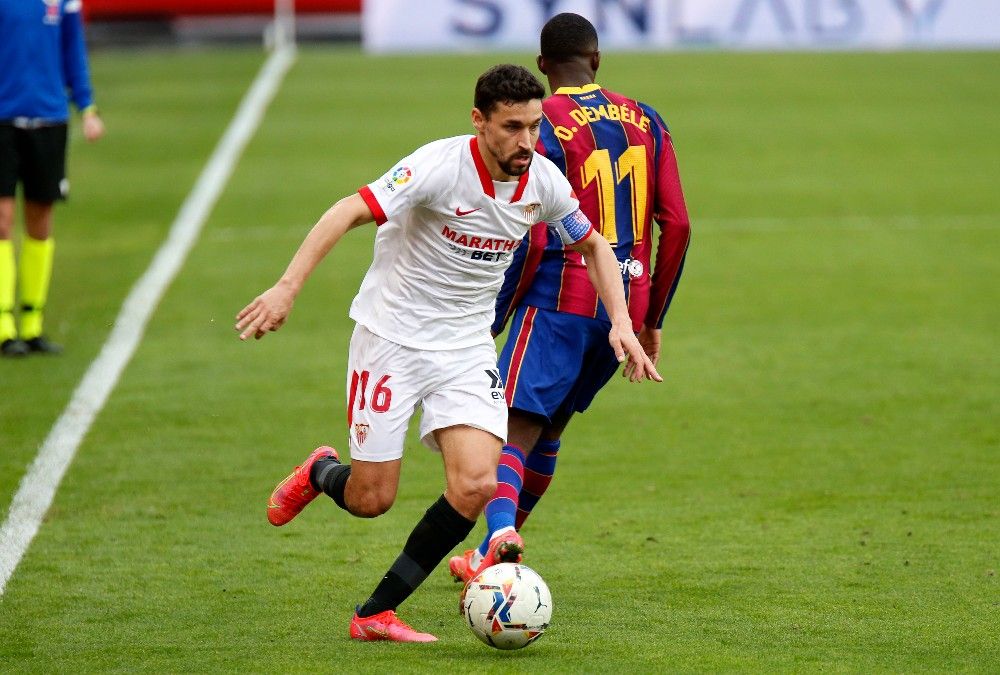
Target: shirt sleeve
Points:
(412, 182)
(562, 209)
(74, 54)
(670, 214)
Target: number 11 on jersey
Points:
(631, 164)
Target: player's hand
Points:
(628, 350)
(267, 312)
(649, 339)
(93, 127)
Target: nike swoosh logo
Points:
(459, 212)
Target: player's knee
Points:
(486, 488)
(370, 508)
(478, 490)
(370, 504)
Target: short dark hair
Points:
(567, 36)
(508, 84)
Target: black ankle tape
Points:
(330, 476)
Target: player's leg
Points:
(380, 401)
(505, 511)
(431, 539)
(362, 488)
(470, 457)
(35, 274)
(9, 344)
(44, 183)
(6, 218)
(596, 368)
(540, 465)
(565, 356)
(465, 421)
(539, 362)
(523, 430)
(468, 406)
(9, 171)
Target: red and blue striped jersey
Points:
(619, 159)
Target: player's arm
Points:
(269, 310)
(76, 71)
(670, 214)
(605, 275)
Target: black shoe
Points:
(41, 345)
(14, 347)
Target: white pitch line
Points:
(38, 487)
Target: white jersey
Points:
(446, 235)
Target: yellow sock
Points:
(7, 267)
(35, 273)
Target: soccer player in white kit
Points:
(449, 217)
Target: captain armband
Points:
(577, 225)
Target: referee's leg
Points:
(37, 253)
(8, 331)
(44, 181)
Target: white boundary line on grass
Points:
(38, 487)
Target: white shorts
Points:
(386, 382)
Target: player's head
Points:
(507, 116)
(506, 84)
(569, 40)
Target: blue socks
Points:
(501, 510)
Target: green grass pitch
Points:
(815, 487)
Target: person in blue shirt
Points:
(43, 63)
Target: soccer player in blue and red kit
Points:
(618, 157)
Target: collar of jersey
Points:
(578, 90)
(486, 180)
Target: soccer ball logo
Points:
(508, 606)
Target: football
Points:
(507, 606)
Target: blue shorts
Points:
(554, 363)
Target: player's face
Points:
(510, 133)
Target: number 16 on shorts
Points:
(381, 395)
(367, 395)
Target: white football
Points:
(507, 606)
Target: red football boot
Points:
(504, 547)
(386, 626)
(295, 492)
(460, 566)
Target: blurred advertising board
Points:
(474, 25)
